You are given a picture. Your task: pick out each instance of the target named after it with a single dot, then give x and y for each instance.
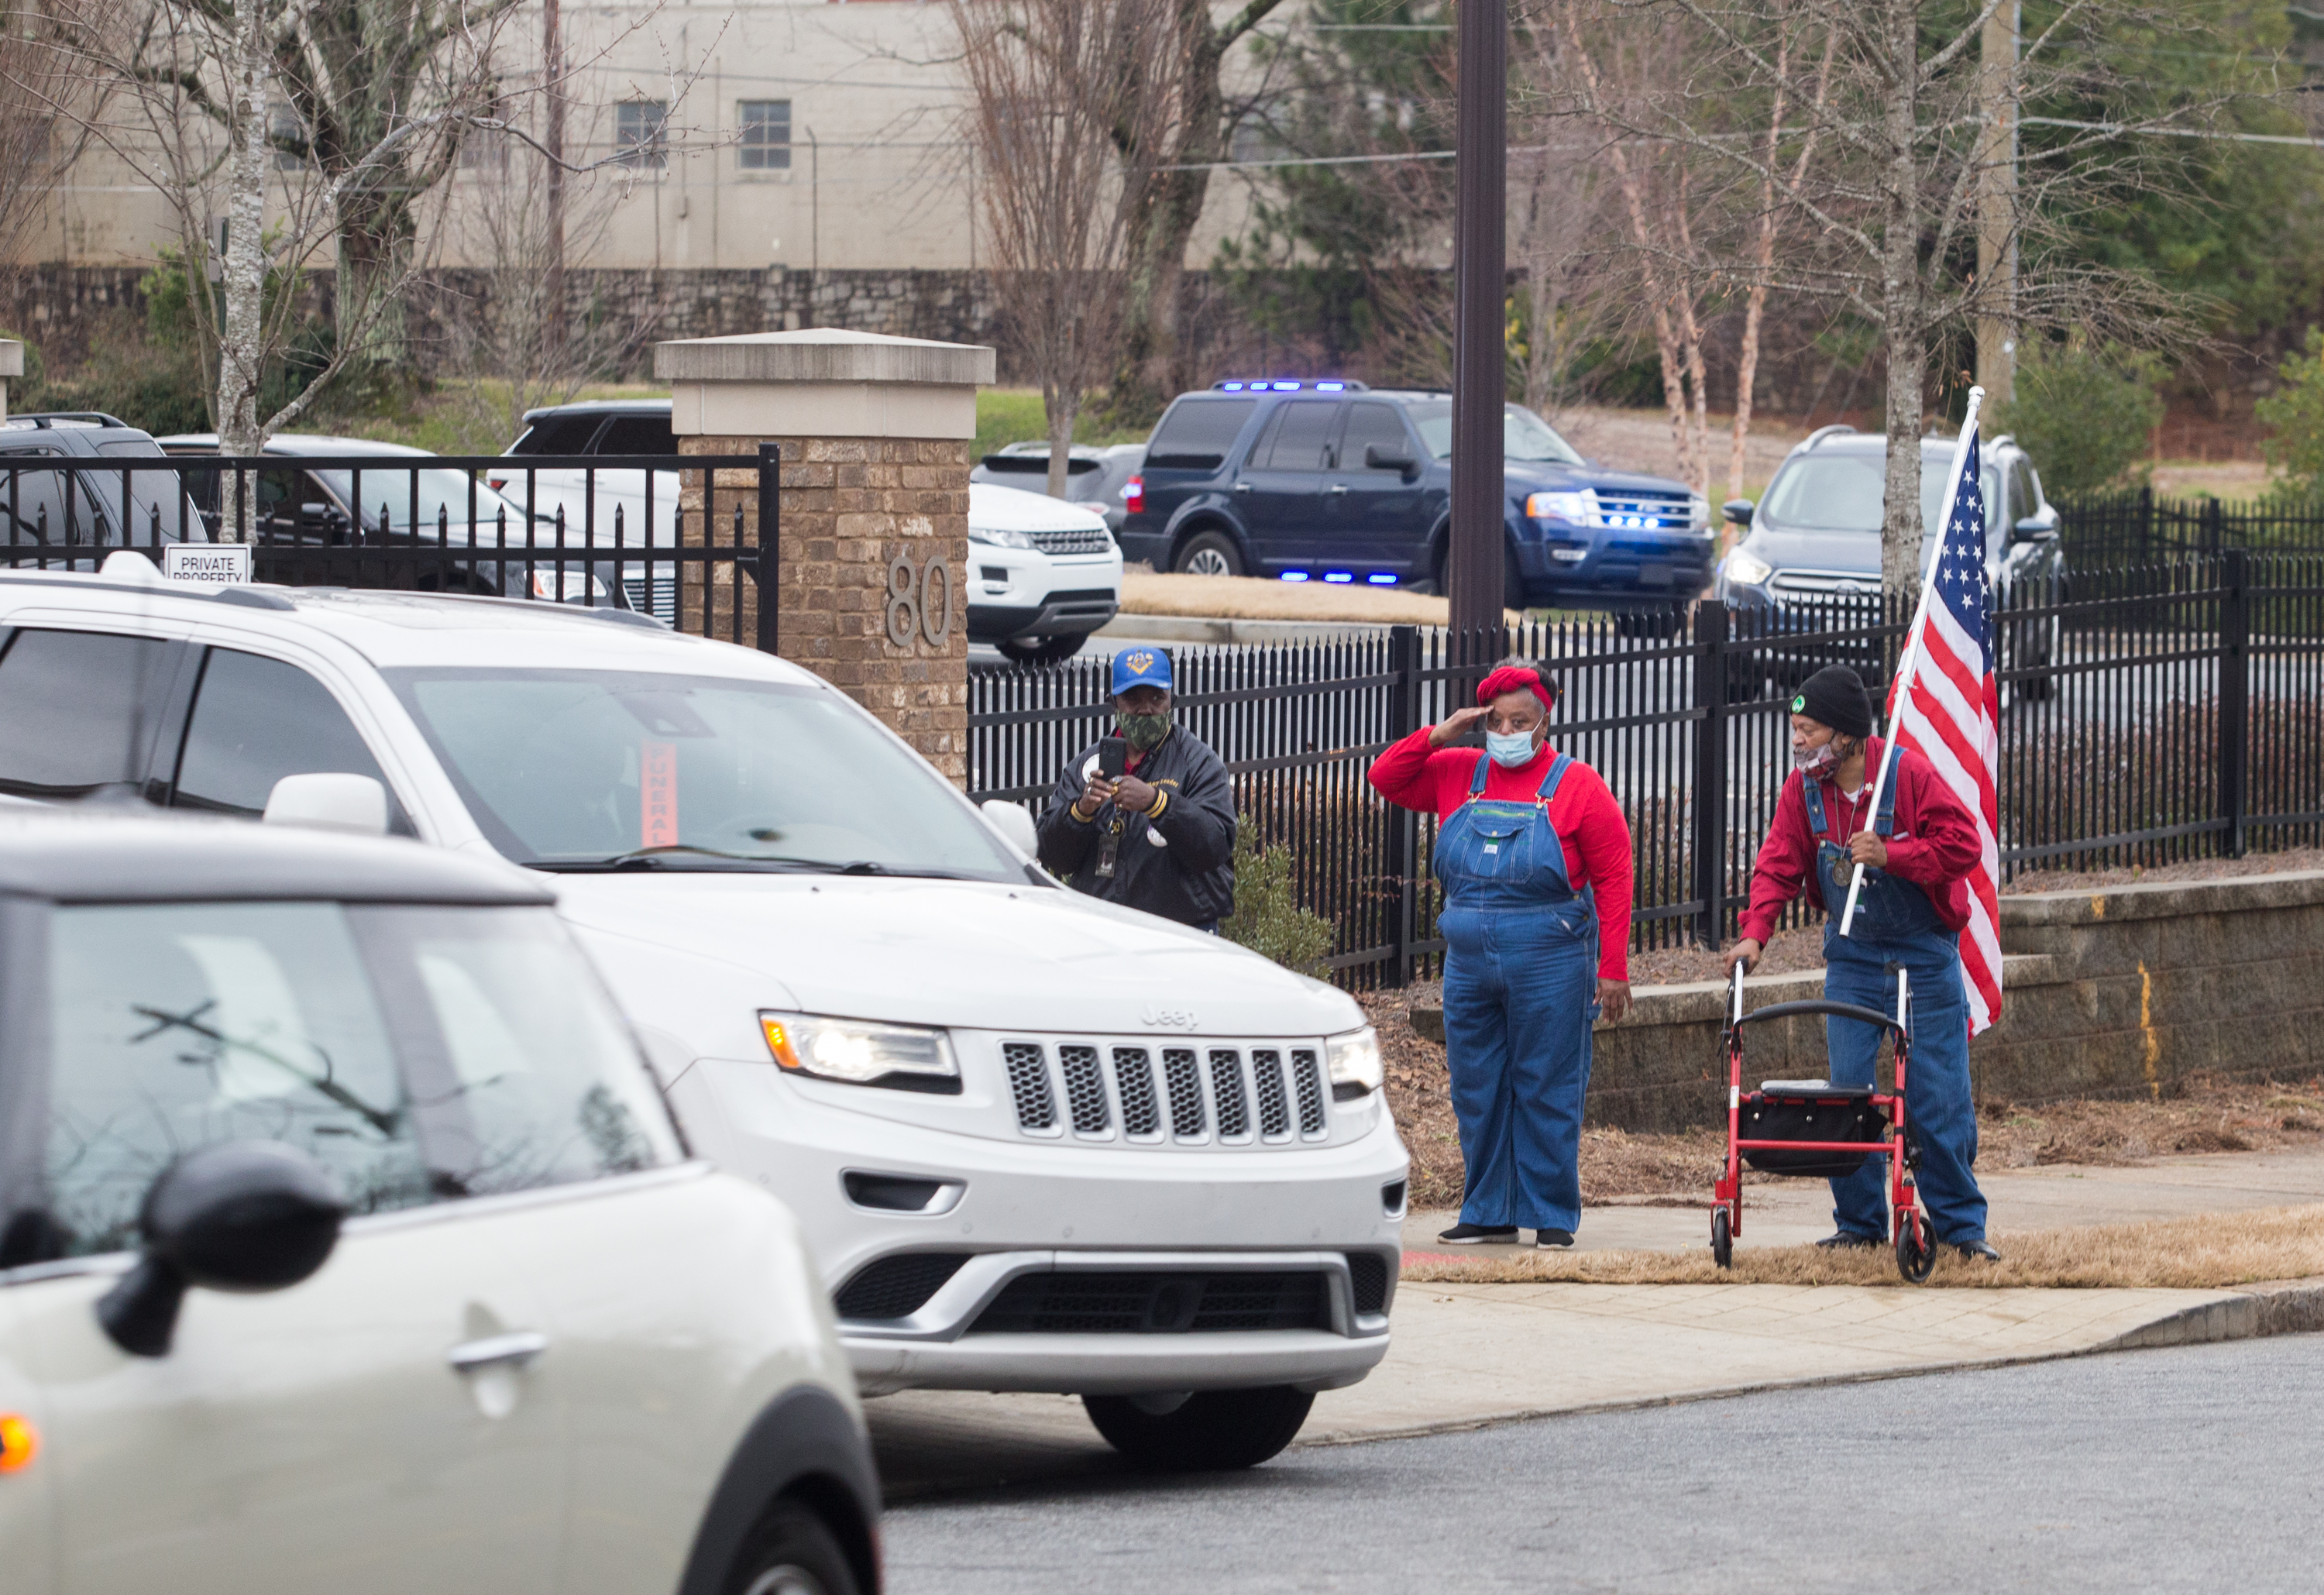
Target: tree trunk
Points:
(1901, 303)
(374, 256)
(243, 330)
(1062, 404)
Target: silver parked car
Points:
(346, 1245)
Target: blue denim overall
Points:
(1520, 991)
(1896, 924)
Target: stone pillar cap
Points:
(822, 354)
(12, 357)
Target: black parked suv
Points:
(62, 478)
(1334, 481)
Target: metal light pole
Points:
(1996, 206)
(1472, 562)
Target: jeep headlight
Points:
(862, 1052)
(1748, 567)
(1353, 1061)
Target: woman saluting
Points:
(1534, 858)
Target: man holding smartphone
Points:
(1146, 816)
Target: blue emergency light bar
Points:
(1292, 385)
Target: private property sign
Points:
(207, 565)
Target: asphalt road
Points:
(2191, 1469)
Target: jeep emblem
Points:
(1169, 1018)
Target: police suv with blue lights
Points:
(1035, 1141)
(1331, 480)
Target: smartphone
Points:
(1113, 757)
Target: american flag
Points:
(1949, 714)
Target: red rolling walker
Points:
(1814, 1129)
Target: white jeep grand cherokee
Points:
(1036, 1142)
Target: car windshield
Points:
(1842, 492)
(1525, 436)
(416, 498)
(605, 768)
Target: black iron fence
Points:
(602, 532)
(2165, 714)
(2138, 528)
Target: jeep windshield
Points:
(1843, 492)
(1525, 436)
(608, 769)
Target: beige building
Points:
(799, 133)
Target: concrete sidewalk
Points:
(1464, 1355)
(2054, 1196)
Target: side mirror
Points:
(2038, 529)
(239, 1216)
(1013, 822)
(330, 801)
(1380, 457)
(1737, 512)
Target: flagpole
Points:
(1899, 692)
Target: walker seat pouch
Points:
(1810, 1111)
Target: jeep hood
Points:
(698, 954)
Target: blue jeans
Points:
(1520, 990)
(1936, 1101)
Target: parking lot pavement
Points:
(2194, 1469)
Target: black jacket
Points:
(1191, 879)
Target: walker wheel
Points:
(1722, 1239)
(1916, 1248)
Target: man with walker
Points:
(1918, 851)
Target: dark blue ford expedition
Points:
(1334, 482)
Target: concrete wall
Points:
(2109, 993)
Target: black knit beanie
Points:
(1835, 695)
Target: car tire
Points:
(1208, 553)
(1210, 1432)
(1041, 651)
(792, 1552)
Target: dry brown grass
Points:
(1256, 598)
(2209, 1251)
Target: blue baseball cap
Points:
(1141, 666)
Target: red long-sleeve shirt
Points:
(1589, 823)
(1935, 845)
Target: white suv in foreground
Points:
(1037, 1142)
(345, 1246)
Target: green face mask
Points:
(1145, 732)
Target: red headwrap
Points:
(1516, 678)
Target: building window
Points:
(485, 149)
(286, 130)
(640, 135)
(766, 135)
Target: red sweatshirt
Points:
(1935, 846)
(1589, 823)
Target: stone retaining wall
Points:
(2110, 993)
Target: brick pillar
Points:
(875, 433)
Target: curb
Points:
(2289, 1309)
(2293, 1307)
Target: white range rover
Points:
(1036, 1142)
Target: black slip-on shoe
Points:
(1978, 1250)
(1848, 1241)
(1465, 1234)
(1553, 1238)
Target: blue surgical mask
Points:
(1509, 749)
